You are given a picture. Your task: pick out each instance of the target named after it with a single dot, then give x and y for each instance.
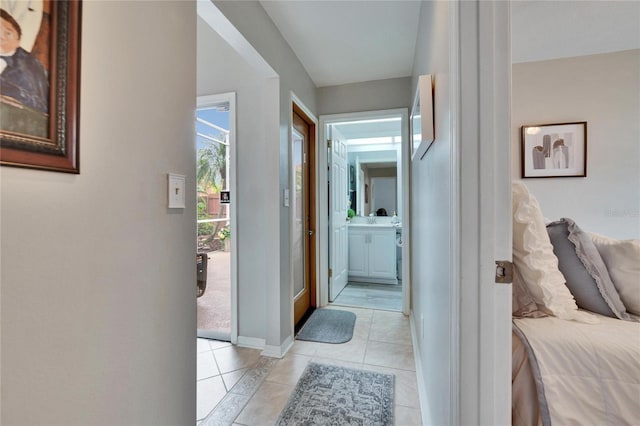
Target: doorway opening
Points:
(303, 206)
(367, 157)
(215, 176)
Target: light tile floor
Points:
(238, 386)
(372, 296)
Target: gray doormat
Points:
(332, 395)
(328, 326)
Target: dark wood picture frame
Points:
(48, 140)
(554, 150)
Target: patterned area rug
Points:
(328, 326)
(332, 395)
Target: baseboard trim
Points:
(278, 351)
(251, 342)
(422, 391)
(271, 351)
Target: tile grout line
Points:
(219, 371)
(216, 364)
(215, 360)
(247, 397)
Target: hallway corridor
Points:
(238, 386)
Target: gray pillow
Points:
(584, 270)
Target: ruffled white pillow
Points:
(538, 265)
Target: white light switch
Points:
(176, 188)
(285, 197)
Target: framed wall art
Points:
(40, 84)
(554, 150)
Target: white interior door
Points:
(338, 196)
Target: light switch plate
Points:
(176, 188)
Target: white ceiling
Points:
(341, 42)
(558, 29)
(372, 129)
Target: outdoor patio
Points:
(214, 306)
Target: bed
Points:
(567, 372)
(576, 329)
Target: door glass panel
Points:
(299, 283)
(214, 231)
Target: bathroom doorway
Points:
(376, 190)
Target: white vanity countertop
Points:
(374, 225)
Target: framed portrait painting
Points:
(554, 150)
(40, 84)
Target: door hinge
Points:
(330, 272)
(504, 272)
(329, 143)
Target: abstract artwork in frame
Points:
(40, 84)
(554, 150)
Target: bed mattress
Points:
(565, 372)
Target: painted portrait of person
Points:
(24, 60)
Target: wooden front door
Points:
(303, 205)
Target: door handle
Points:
(310, 232)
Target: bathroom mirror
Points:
(421, 119)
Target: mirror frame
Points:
(422, 107)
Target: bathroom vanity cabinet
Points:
(372, 254)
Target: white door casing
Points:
(207, 101)
(338, 197)
(323, 199)
(481, 393)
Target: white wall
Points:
(431, 223)
(602, 90)
(220, 70)
(255, 25)
(366, 96)
(98, 278)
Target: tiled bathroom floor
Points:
(372, 296)
(238, 386)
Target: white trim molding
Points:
(323, 220)
(251, 342)
(278, 351)
(212, 100)
(422, 390)
(484, 212)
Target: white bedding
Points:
(590, 372)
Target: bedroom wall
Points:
(255, 25)
(97, 282)
(430, 239)
(602, 90)
(366, 96)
